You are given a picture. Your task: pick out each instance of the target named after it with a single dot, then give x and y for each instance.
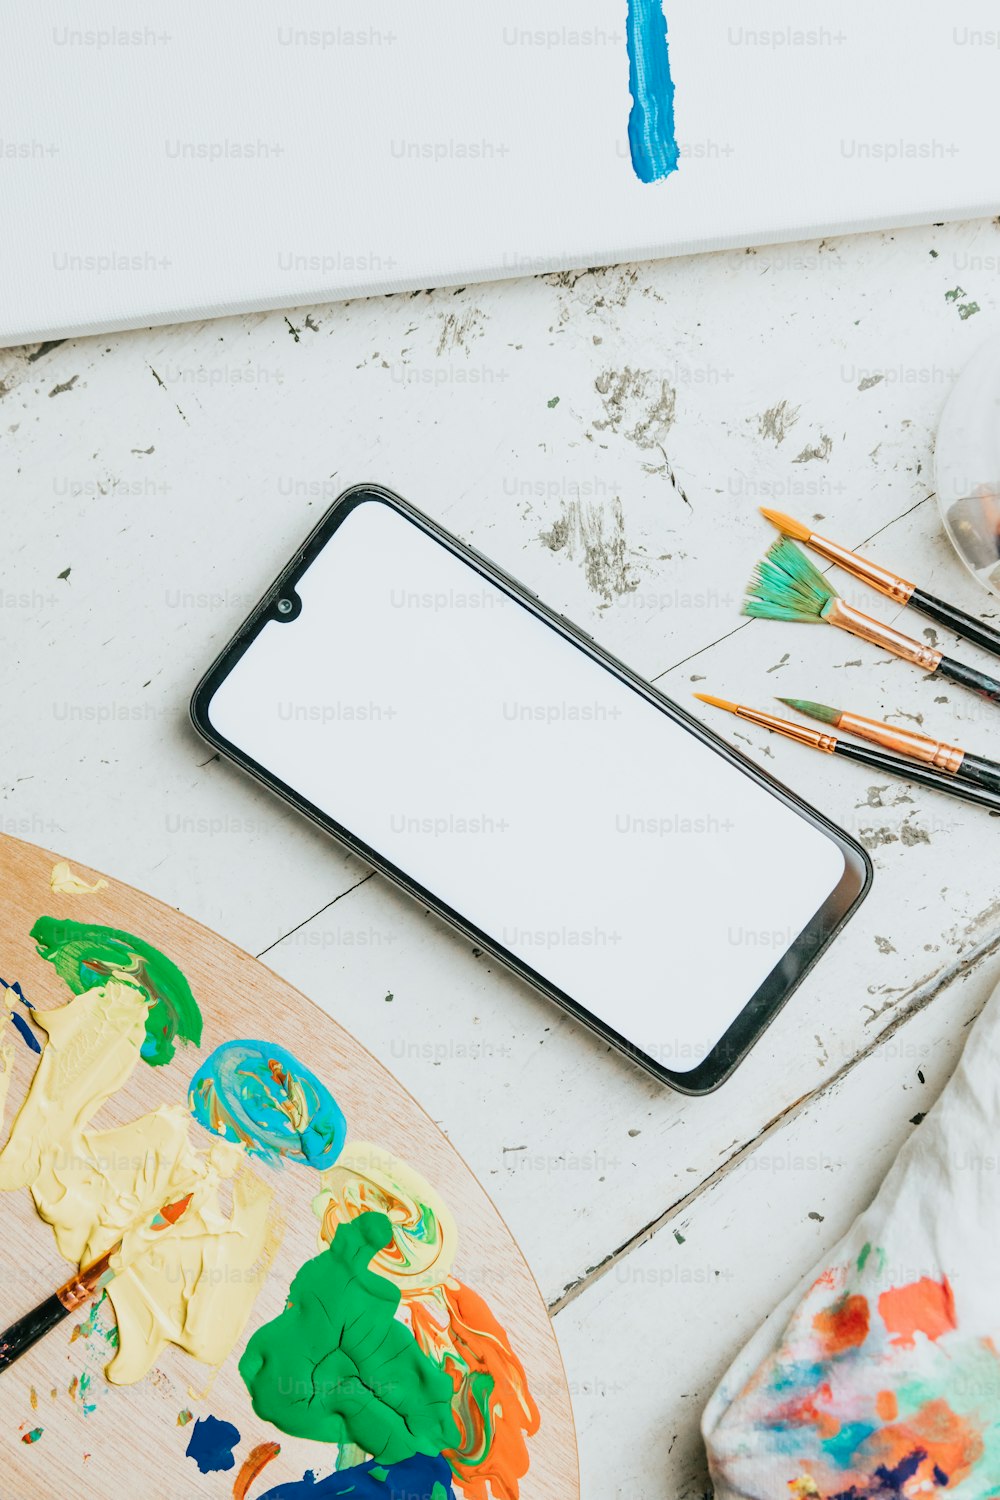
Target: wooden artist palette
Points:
(66, 1429)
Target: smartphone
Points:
(484, 753)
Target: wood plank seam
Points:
(922, 996)
(312, 917)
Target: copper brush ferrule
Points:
(815, 738)
(883, 579)
(25, 1332)
(920, 747)
(786, 586)
(838, 612)
(91, 1278)
(981, 786)
(82, 1287)
(900, 590)
(953, 760)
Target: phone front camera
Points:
(285, 606)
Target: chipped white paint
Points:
(606, 436)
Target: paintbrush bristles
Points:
(814, 710)
(786, 586)
(731, 708)
(787, 525)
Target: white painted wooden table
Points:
(606, 436)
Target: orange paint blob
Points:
(923, 1306)
(255, 1460)
(806, 1411)
(492, 1406)
(950, 1442)
(842, 1326)
(887, 1406)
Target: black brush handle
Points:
(909, 770)
(978, 769)
(957, 671)
(957, 620)
(19, 1337)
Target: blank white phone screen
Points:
(545, 801)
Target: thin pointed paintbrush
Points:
(786, 586)
(878, 760)
(951, 759)
(20, 1336)
(889, 583)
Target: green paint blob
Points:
(86, 956)
(337, 1367)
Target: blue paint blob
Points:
(15, 989)
(412, 1479)
(21, 1026)
(891, 1482)
(651, 139)
(212, 1443)
(261, 1097)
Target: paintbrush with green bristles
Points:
(951, 759)
(888, 582)
(786, 586)
(875, 760)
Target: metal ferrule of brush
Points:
(791, 731)
(880, 578)
(905, 741)
(844, 615)
(80, 1288)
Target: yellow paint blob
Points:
(369, 1179)
(6, 1067)
(193, 1284)
(65, 883)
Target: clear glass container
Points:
(967, 466)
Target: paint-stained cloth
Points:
(880, 1375)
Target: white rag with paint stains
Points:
(880, 1375)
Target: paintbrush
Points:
(951, 759)
(786, 586)
(878, 760)
(889, 583)
(88, 1281)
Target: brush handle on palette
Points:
(957, 620)
(968, 677)
(909, 770)
(20, 1336)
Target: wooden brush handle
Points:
(957, 620)
(982, 772)
(20, 1336)
(956, 671)
(912, 770)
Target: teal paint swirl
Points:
(261, 1097)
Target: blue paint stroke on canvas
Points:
(651, 139)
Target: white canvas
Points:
(183, 160)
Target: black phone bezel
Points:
(784, 978)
